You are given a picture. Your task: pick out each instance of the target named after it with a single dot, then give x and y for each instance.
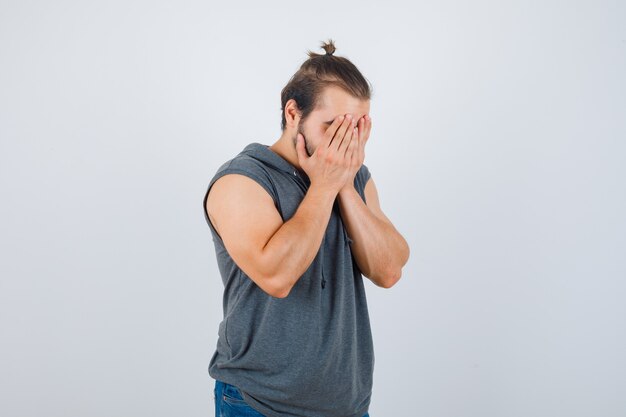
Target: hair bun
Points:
(329, 47)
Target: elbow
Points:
(269, 282)
(281, 293)
(276, 292)
(394, 272)
(268, 273)
(391, 278)
(272, 280)
(276, 287)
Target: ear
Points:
(292, 113)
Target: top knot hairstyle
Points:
(319, 72)
(328, 47)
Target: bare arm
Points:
(273, 253)
(295, 244)
(378, 248)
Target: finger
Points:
(361, 129)
(367, 129)
(355, 154)
(331, 131)
(341, 132)
(346, 139)
(300, 149)
(353, 146)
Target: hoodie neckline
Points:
(263, 153)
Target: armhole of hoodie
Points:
(361, 178)
(263, 182)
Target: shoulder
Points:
(249, 167)
(239, 189)
(251, 179)
(243, 163)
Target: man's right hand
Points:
(330, 165)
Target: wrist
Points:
(347, 188)
(324, 192)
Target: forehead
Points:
(335, 102)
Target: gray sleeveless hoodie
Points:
(311, 353)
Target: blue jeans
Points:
(229, 402)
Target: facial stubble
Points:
(309, 151)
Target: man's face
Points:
(333, 103)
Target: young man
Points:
(295, 226)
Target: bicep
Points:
(246, 218)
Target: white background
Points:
(497, 148)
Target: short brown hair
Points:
(319, 72)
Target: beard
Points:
(307, 147)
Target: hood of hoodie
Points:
(264, 154)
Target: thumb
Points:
(301, 151)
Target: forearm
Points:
(295, 244)
(378, 248)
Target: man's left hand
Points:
(363, 128)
